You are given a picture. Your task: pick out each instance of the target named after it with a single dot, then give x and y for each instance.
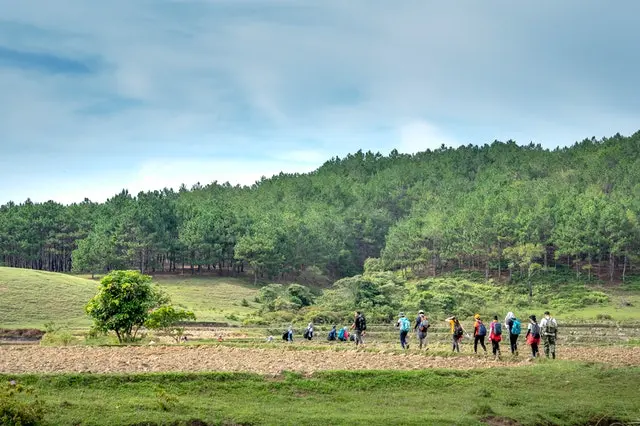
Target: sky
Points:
(145, 94)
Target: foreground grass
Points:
(549, 393)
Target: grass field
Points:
(562, 393)
(211, 298)
(29, 299)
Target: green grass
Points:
(29, 299)
(212, 299)
(559, 393)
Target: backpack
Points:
(404, 324)
(424, 326)
(482, 330)
(515, 327)
(457, 330)
(306, 334)
(341, 334)
(332, 335)
(497, 328)
(550, 328)
(361, 323)
(535, 330)
(285, 335)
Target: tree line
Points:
(501, 208)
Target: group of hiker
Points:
(546, 330)
(343, 335)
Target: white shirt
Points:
(544, 322)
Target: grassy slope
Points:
(549, 393)
(31, 298)
(210, 298)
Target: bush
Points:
(59, 338)
(25, 412)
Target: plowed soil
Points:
(130, 359)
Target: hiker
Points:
(288, 336)
(549, 327)
(495, 335)
(360, 325)
(343, 334)
(418, 320)
(533, 336)
(513, 325)
(333, 334)
(404, 325)
(456, 332)
(308, 333)
(423, 327)
(479, 333)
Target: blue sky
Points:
(142, 94)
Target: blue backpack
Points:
(515, 327)
(497, 329)
(482, 330)
(404, 324)
(341, 334)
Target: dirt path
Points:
(31, 359)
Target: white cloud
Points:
(299, 82)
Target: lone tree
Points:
(167, 319)
(123, 303)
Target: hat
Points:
(477, 316)
(401, 314)
(421, 311)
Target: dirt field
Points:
(37, 359)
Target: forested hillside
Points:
(492, 208)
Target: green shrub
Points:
(59, 338)
(26, 411)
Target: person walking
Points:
(333, 334)
(456, 332)
(360, 326)
(513, 325)
(404, 325)
(418, 320)
(479, 333)
(308, 333)
(549, 328)
(423, 328)
(533, 336)
(495, 336)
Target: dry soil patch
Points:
(38, 359)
